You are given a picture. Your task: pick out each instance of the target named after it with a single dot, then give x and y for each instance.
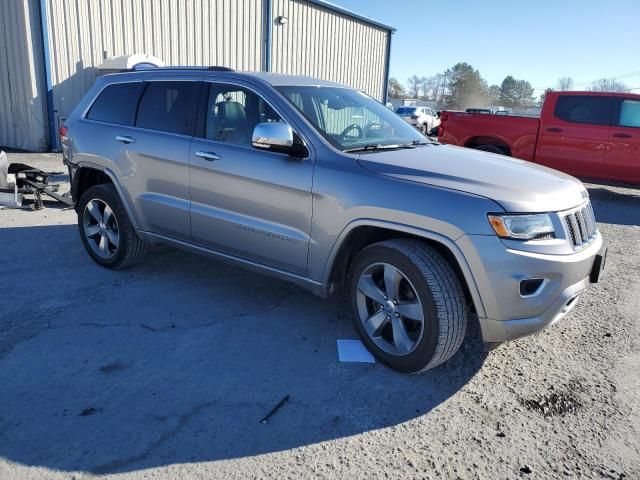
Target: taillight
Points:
(440, 130)
(63, 131)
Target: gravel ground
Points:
(165, 370)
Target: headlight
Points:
(523, 227)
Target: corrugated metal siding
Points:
(317, 41)
(22, 90)
(180, 32)
(325, 44)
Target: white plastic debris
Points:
(4, 169)
(354, 351)
(9, 196)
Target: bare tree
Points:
(415, 83)
(424, 88)
(608, 85)
(432, 86)
(396, 89)
(564, 84)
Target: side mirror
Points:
(277, 137)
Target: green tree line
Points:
(462, 86)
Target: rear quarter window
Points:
(117, 103)
(584, 109)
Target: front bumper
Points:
(498, 272)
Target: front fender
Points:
(446, 242)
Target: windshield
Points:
(349, 119)
(406, 110)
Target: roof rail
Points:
(196, 67)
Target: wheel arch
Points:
(86, 175)
(489, 140)
(362, 233)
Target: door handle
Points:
(125, 139)
(210, 156)
(554, 129)
(622, 135)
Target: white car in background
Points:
(423, 118)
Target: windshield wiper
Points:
(421, 142)
(378, 146)
(363, 148)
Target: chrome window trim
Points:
(85, 112)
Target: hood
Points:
(517, 185)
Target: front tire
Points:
(408, 305)
(105, 229)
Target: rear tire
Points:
(105, 229)
(412, 320)
(491, 148)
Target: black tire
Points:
(439, 291)
(131, 248)
(491, 148)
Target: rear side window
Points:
(169, 107)
(117, 103)
(584, 109)
(630, 113)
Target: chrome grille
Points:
(581, 225)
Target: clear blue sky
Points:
(538, 41)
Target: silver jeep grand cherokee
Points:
(321, 185)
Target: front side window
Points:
(168, 107)
(233, 113)
(350, 119)
(594, 110)
(117, 103)
(629, 113)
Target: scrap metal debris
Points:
(266, 418)
(18, 179)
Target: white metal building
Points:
(49, 49)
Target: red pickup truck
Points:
(585, 134)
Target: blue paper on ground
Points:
(354, 351)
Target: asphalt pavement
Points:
(166, 369)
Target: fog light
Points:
(531, 286)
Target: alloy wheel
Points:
(389, 308)
(101, 228)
